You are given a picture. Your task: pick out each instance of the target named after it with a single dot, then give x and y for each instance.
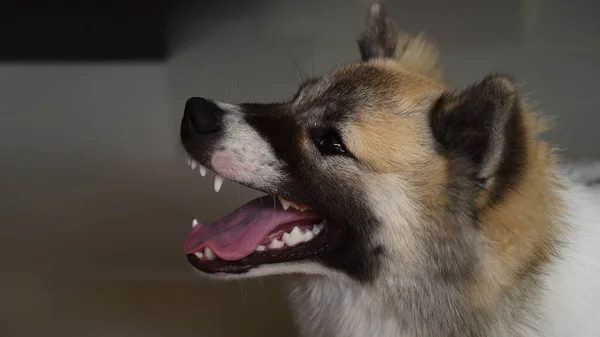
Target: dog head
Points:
(375, 168)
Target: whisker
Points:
(313, 59)
(231, 90)
(303, 76)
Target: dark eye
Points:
(328, 142)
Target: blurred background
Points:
(96, 197)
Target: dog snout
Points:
(203, 115)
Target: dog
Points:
(407, 208)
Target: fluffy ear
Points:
(483, 124)
(381, 39)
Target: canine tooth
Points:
(202, 170)
(209, 254)
(194, 223)
(275, 244)
(199, 255)
(218, 183)
(260, 248)
(285, 203)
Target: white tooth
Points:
(286, 204)
(287, 238)
(199, 255)
(296, 234)
(194, 223)
(308, 235)
(294, 237)
(276, 244)
(209, 254)
(218, 183)
(260, 248)
(202, 170)
(193, 165)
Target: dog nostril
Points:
(204, 115)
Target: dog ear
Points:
(381, 39)
(482, 124)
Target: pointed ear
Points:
(381, 39)
(483, 124)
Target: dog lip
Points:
(326, 243)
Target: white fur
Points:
(571, 302)
(243, 155)
(326, 307)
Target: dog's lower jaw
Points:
(325, 307)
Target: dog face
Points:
(378, 167)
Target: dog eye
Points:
(328, 142)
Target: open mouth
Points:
(265, 230)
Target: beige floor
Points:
(149, 309)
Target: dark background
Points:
(83, 30)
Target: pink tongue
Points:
(237, 235)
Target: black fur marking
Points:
(336, 199)
(480, 123)
(275, 124)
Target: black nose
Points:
(204, 115)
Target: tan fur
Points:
(522, 232)
(419, 54)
